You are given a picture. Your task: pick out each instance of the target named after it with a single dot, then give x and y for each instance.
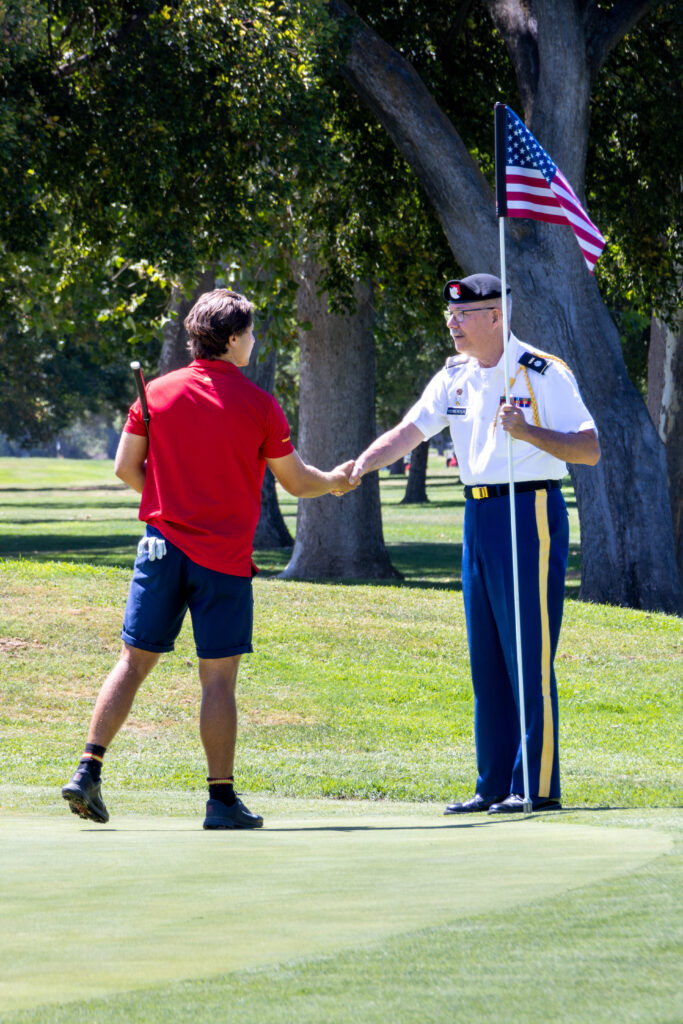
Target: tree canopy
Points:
(138, 141)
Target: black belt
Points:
(497, 490)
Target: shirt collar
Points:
(215, 365)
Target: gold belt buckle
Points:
(480, 492)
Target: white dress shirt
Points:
(466, 397)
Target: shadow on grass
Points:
(64, 487)
(423, 565)
(113, 551)
(98, 514)
(486, 822)
(39, 543)
(90, 827)
(380, 828)
(104, 506)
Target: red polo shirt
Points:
(210, 432)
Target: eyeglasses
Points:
(460, 314)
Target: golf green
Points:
(90, 910)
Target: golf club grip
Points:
(140, 385)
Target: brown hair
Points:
(213, 319)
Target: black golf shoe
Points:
(220, 815)
(84, 796)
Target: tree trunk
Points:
(626, 524)
(337, 538)
(416, 489)
(271, 529)
(665, 404)
(174, 351)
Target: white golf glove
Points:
(153, 547)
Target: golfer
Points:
(551, 427)
(211, 434)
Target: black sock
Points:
(91, 760)
(223, 790)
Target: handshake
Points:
(345, 477)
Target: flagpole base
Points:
(527, 808)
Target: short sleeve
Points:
(566, 411)
(135, 423)
(429, 412)
(277, 442)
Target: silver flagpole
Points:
(513, 525)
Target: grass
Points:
(356, 704)
(74, 510)
(383, 912)
(382, 709)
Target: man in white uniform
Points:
(551, 427)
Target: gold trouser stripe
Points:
(548, 750)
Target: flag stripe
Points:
(564, 191)
(517, 193)
(517, 210)
(580, 223)
(536, 188)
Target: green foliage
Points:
(633, 153)
(633, 168)
(66, 321)
(138, 142)
(633, 322)
(164, 127)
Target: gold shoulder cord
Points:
(534, 406)
(554, 359)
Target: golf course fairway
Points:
(95, 910)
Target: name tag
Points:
(456, 410)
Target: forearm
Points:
(389, 447)
(132, 476)
(582, 447)
(131, 460)
(313, 482)
(305, 481)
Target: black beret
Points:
(475, 288)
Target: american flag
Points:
(535, 187)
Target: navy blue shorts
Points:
(221, 606)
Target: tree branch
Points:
(138, 16)
(392, 90)
(517, 25)
(457, 24)
(605, 29)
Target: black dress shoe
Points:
(514, 804)
(477, 803)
